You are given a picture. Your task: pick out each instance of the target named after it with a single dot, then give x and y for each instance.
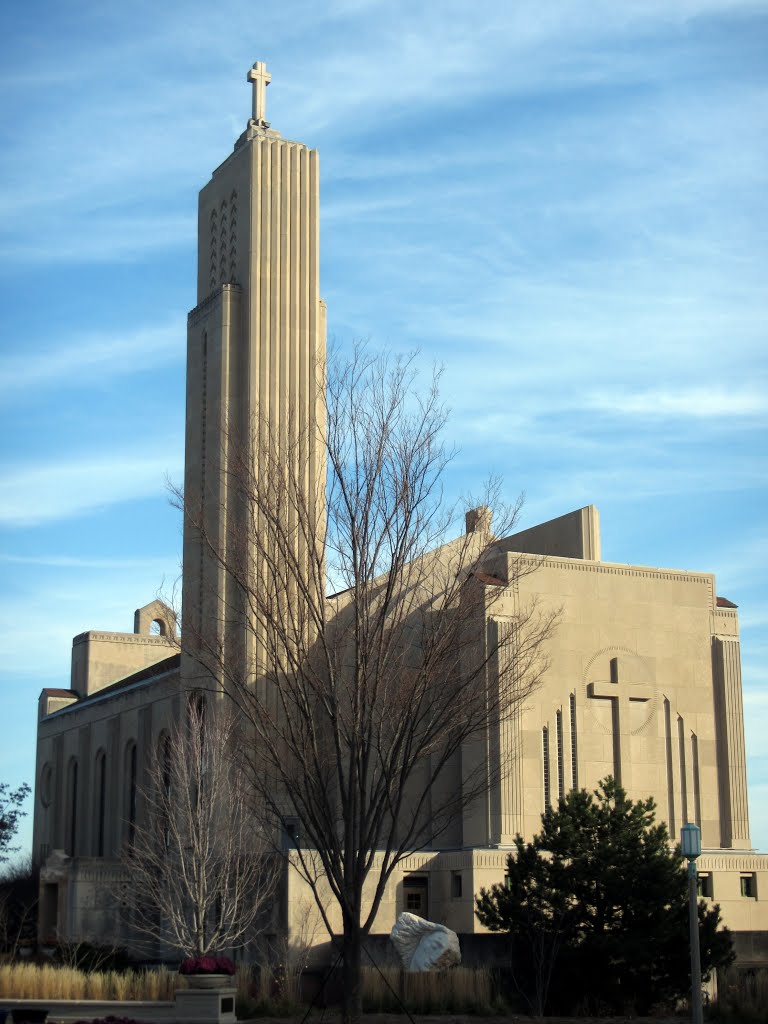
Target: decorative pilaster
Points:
(731, 755)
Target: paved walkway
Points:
(65, 1010)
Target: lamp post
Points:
(690, 841)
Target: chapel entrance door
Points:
(49, 912)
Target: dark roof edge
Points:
(144, 677)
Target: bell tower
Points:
(255, 360)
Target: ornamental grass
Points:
(457, 990)
(37, 981)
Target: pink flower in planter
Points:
(207, 965)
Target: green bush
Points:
(596, 910)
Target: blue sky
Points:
(563, 203)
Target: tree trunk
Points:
(352, 1000)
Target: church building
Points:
(644, 676)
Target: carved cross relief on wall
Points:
(630, 684)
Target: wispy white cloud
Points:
(67, 607)
(112, 238)
(77, 361)
(143, 565)
(739, 559)
(754, 698)
(450, 54)
(35, 494)
(665, 403)
(117, 143)
(622, 482)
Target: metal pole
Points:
(697, 1013)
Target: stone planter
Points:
(209, 980)
(212, 1004)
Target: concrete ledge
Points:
(66, 1010)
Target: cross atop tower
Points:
(260, 79)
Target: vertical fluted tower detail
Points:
(509, 814)
(731, 759)
(255, 360)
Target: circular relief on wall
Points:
(46, 785)
(627, 677)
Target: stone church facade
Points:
(644, 680)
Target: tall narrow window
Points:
(696, 779)
(574, 747)
(165, 799)
(131, 767)
(683, 770)
(545, 756)
(196, 715)
(560, 758)
(72, 822)
(196, 712)
(166, 756)
(203, 439)
(670, 769)
(101, 801)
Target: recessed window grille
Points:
(704, 885)
(749, 886)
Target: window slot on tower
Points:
(574, 747)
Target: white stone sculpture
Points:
(423, 945)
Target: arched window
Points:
(157, 627)
(72, 809)
(101, 801)
(130, 790)
(46, 785)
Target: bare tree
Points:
(201, 875)
(370, 709)
(19, 885)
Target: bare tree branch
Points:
(202, 878)
(368, 710)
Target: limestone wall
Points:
(629, 692)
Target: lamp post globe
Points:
(690, 841)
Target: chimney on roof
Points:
(478, 520)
